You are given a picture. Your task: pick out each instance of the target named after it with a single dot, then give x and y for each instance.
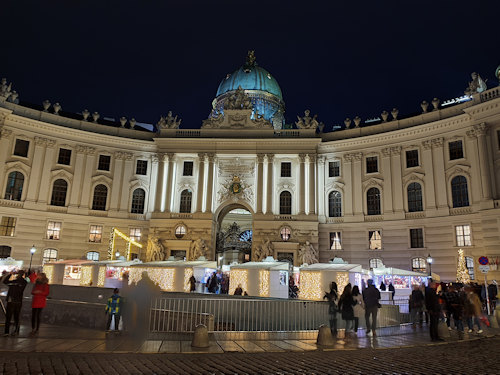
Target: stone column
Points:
(312, 184)
(170, 181)
(126, 194)
(349, 188)
(302, 183)
(116, 188)
(270, 183)
(481, 132)
(430, 194)
(200, 188)
(160, 183)
(358, 197)
(260, 182)
(42, 195)
(320, 191)
(386, 172)
(76, 186)
(441, 187)
(5, 149)
(210, 182)
(87, 179)
(36, 169)
(397, 183)
(153, 183)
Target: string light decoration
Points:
(188, 272)
(264, 283)
(462, 271)
(238, 277)
(163, 277)
(101, 277)
(342, 281)
(49, 272)
(111, 246)
(310, 285)
(86, 276)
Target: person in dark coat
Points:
(434, 309)
(382, 286)
(238, 291)
(213, 283)
(391, 289)
(346, 304)
(192, 284)
(371, 296)
(16, 284)
(333, 298)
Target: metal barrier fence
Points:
(248, 314)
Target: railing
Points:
(250, 314)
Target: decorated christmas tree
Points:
(462, 271)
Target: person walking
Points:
(113, 310)
(16, 284)
(382, 286)
(192, 284)
(416, 306)
(371, 297)
(434, 308)
(391, 289)
(455, 302)
(359, 307)
(346, 304)
(39, 300)
(332, 298)
(473, 311)
(213, 283)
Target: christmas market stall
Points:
(10, 264)
(66, 272)
(268, 278)
(402, 280)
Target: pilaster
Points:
(76, 186)
(87, 180)
(160, 183)
(320, 191)
(260, 182)
(270, 183)
(302, 182)
(397, 182)
(36, 169)
(427, 161)
(312, 185)
(200, 189)
(210, 181)
(349, 189)
(170, 182)
(5, 149)
(387, 173)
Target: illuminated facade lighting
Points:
(130, 241)
(342, 281)
(238, 277)
(86, 276)
(49, 272)
(310, 285)
(264, 286)
(163, 277)
(188, 272)
(101, 278)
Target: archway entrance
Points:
(234, 235)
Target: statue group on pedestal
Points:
(264, 250)
(199, 248)
(308, 254)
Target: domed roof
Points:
(250, 77)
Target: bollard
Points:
(493, 320)
(443, 330)
(325, 337)
(200, 337)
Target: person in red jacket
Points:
(40, 292)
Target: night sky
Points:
(339, 60)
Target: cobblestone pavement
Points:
(466, 357)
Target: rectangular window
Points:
(417, 238)
(7, 226)
(21, 148)
(371, 164)
(498, 138)
(104, 162)
(95, 234)
(187, 170)
(334, 169)
(375, 239)
(135, 234)
(141, 167)
(463, 235)
(286, 169)
(335, 241)
(411, 158)
(53, 230)
(64, 156)
(456, 150)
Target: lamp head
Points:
(117, 254)
(33, 250)
(429, 258)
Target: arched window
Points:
(138, 198)
(59, 190)
(285, 203)
(285, 233)
(376, 263)
(419, 265)
(186, 198)
(5, 252)
(100, 197)
(14, 189)
(180, 231)
(415, 197)
(49, 255)
(335, 204)
(459, 191)
(92, 255)
(373, 201)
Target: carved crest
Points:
(169, 122)
(307, 122)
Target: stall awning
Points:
(340, 267)
(396, 271)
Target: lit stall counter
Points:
(172, 275)
(268, 278)
(115, 272)
(107, 273)
(10, 264)
(402, 280)
(66, 272)
(315, 279)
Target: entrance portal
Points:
(234, 235)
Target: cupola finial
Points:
(250, 59)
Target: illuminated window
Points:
(285, 233)
(334, 168)
(376, 263)
(459, 191)
(180, 231)
(285, 203)
(92, 255)
(335, 241)
(49, 255)
(375, 240)
(100, 198)
(64, 157)
(371, 164)
(5, 252)
(411, 158)
(21, 148)
(416, 238)
(286, 169)
(138, 198)
(415, 197)
(53, 230)
(186, 198)
(7, 226)
(469, 262)
(463, 235)
(135, 234)
(59, 191)
(456, 150)
(419, 265)
(334, 204)
(373, 201)
(95, 234)
(141, 167)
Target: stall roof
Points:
(129, 263)
(279, 266)
(396, 271)
(11, 262)
(178, 263)
(346, 267)
(70, 262)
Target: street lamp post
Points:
(32, 251)
(429, 261)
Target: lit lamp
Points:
(32, 251)
(117, 254)
(429, 261)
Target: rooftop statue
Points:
(251, 60)
(238, 100)
(476, 85)
(6, 91)
(169, 122)
(308, 122)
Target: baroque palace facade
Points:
(392, 192)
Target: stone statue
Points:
(476, 85)
(155, 250)
(238, 100)
(169, 122)
(308, 254)
(214, 121)
(199, 248)
(307, 122)
(5, 89)
(264, 250)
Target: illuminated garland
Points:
(462, 271)
(111, 245)
(101, 278)
(163, 277)
(86, 276)
(49, 272)
(238, 277)
(188, 272)
(342, 281)
(310, 285)
(264, 283)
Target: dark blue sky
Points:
(339, 60)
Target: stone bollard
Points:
(200, 337)
(325, 337)
(443, 330)
(493, 320)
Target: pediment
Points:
(61, 173)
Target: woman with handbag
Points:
(359, 307)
